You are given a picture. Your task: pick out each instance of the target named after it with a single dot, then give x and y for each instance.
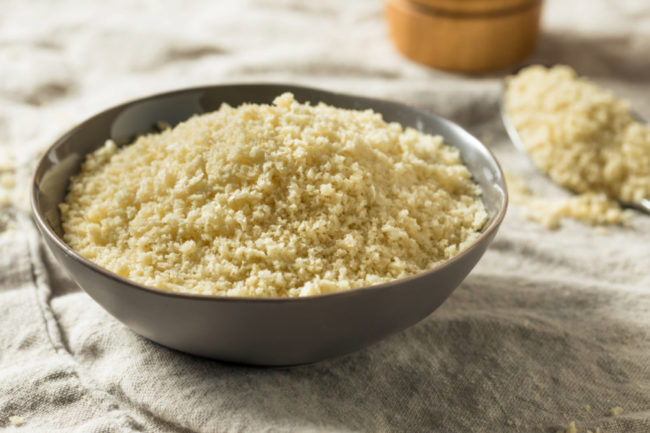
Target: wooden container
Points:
(464, 35)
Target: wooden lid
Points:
(492, 7)
(464, 42)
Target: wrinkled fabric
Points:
(550, 327)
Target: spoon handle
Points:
(644, 205)
(513, 134)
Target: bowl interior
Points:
(124, 122)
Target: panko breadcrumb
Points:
(581, 135)
(616, 410)
(7, 177)
(16, 421)
(274, 200)
(592, 208)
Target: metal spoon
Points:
(643, 205)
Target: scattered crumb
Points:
(7, 177)
(7, 180)
(6, 159)
(16, 421)
(571, 428)
(591, 208)
(515, 423)
(587, 407)
(616, 411)
(602, 231)
(6, 223)
(162, 126)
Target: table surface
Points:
(551, 326)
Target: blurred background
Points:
(63, 61)
(550, 327)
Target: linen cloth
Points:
(550, 327)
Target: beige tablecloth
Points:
(551, 327)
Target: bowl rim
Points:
(48, 232)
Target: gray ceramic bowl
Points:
(263, 331)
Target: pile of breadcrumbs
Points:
(584, 138)
(274, 200)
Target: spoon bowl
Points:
(515, 138)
